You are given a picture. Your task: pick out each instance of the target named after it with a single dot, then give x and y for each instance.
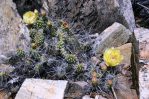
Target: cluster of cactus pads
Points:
(58, 53)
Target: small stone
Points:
(82, 84)
(99, 97)
(114, 36)
(86, 97)
(42, 89)
(76, 90)
(93, 94)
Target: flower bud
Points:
(34, 46)
(94, 79)
(103, 66)
(43, 12)
(110, 82)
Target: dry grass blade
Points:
(113, 91)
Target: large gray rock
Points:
(13, 33)
(42, 89)
(95, 15)
(114, 36)
(142, 36)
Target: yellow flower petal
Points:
(30, 17)
(112, 57)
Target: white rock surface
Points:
(99, 97)
(42, 89)
(86, 97)
(142, 35)
(144, 82)
(114, 36)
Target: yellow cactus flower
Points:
(30, 17)
(112, 57)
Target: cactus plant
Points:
(71, 58)
(35, 55)
(32, 33)
(80, 68)
(20, 52)
(39, 39)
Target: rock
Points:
(142, 36)
(76, 90)
(123, 88)
(99, 97)
(126, 51)
(144, 82)
(42, 89)
(82, 84)
(86, 97)
(114, 36)
(126, 95)
(92, 14)
(13, 33)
